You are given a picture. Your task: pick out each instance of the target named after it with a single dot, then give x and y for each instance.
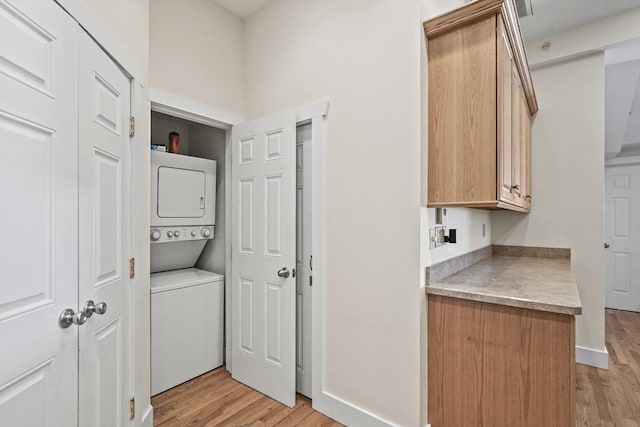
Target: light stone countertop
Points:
(545, 284)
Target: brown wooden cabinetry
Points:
(481, 101)
(494, 365)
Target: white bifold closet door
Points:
(38, 214)
(64, 215)
(263, 257)
(105, 245)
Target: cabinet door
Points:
(525, 156)
(504, 83)
(516, 137)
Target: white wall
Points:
(365, 58)
(127, 22)
(210, 143)
(196, 52)
(568, 182)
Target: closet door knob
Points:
(69, 317)
(90, 308)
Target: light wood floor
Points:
(612, 398)
(215, 399)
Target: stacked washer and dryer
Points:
(187, 311)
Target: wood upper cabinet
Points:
(481, 101)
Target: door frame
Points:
(139, 303)
(313, 114)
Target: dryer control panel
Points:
(180, 234)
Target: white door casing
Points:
(38, 214)
(104, 248)
(622, 234)
(263, 242)
(303, 261)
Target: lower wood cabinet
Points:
(494, 365)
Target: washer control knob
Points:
(155, 234)
(169, 234)
(176, 233)
(193, 233)
(206, 232)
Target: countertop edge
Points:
(507, 301)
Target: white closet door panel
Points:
(38, 214)
(104, 155)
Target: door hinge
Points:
(132, 268)
(132, 408)
(310, 280)
(132, 126)
(311, 262)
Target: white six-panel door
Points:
(38, 214)
(622, 234)
(104, 93)
(263, 244)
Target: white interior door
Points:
(303, 260)
(104, 153)
(263, 246)
(622, 233)
(38, 214)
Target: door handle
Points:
(283, 272)
(69, 317)
(606, 246)
(90, 308)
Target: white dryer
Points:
(183, 205)
(186, 326)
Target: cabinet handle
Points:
(515, 187)
(527, 197)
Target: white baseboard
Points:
(347, 413)
(147, 418)
(591, 357)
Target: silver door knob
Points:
(69, 317)
(283, 272)
(90, 308)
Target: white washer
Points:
(187, 315)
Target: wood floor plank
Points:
(215, 399)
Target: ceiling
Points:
(553, 16)
(242, 8)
